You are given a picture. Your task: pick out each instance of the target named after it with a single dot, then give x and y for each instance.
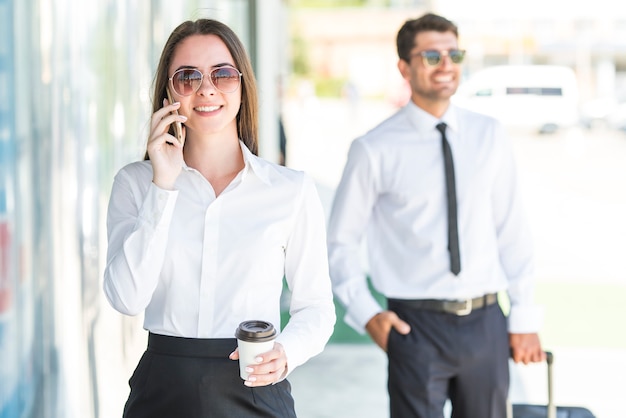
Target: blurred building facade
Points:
(358, 44)
(75, 94)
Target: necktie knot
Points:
(441, 127)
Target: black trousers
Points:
(461, 358)
(194, 378)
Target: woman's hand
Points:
(166, 153)
(271, 367)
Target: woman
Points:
(201, 235)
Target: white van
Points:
(543, 98)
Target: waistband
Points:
(191, 347)
(454, 307)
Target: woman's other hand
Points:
(270, 368)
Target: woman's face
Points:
(208, 110)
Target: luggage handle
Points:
(551, 404)
(551, 409)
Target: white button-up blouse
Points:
(199, 265)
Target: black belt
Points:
(191, 347)
(455, 307)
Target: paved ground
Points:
(349, 381)
(346, 380)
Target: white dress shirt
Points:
(392, 195)
(199, 265)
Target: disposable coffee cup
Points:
(253, 338)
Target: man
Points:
(443, 240)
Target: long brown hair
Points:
(248, 116)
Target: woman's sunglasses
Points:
(187, 81)
(433, 58)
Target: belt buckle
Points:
(466, 310)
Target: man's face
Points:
(432, 84)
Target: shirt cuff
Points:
(294, 357)
(359, 313)
(158, 206)
(525, 319)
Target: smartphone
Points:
(178, 127)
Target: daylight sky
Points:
(555, 9)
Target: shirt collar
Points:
(255, 164)
(252, 163)
(425, 123)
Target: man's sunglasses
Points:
(187, 81)
(433, 58)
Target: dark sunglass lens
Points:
(225, 79)
(186, 82)
(457, 56)
(432, 57)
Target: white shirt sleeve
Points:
(137, 225)
(515, 244)
(351, 212)
(311, 309)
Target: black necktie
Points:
(453, 230)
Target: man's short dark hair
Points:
(428, 22)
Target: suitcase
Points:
(550, 410)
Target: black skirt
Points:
(194, 378)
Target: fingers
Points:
(271, 367)
(164, 150)
(402, 327)
(265, 374)
(161, 121)
(528, 356)
(158, 116)
(535, 355)
(526, 348)
(380, 326)
(519, 356)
